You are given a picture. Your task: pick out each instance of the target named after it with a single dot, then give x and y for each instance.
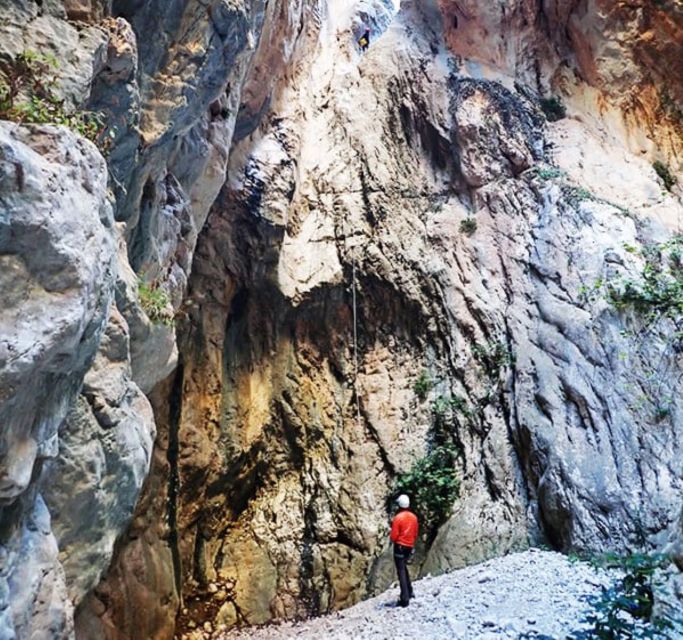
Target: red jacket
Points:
(404, 528)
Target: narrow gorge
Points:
(252, 274)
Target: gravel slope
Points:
(535, 591)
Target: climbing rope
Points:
(354, 285)
(354, 308)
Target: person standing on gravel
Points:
(404, 529)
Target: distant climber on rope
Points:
(364, 40)
(404, 534)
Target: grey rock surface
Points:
(57, 253)
(105, 447)
(78, 51)
(158, 73)
(34, 589)
(676, 546)
(669, 599)
(55, 298)
(172, 86)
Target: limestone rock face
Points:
(79, 52)
(138, 597)
(356, 184)
(669, 598)
(57, 253)
(303, 231)
(677, 543)
(171, 88)
(607, 59)
(105, 448)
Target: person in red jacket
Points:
(404, 534)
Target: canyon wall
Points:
(319, 229)
(610, 61)
(81, 344)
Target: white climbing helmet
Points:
(403, 501)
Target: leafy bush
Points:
(432, 486)
(668, 105)
(156, 303)
(468, 226)
(590, 292)
(423, 385)
(553, 109)
(28, 85)
(576, 195)
(447, 412)
(492, 356)
(665, 174)
(625, 609)
(549, 173)
(659, 291)
(656, 299)
(444, 404)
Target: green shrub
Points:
(493, 357)
(446, 412)
(440, 406)
(625, 609)
(576, 195)
(665, 174)
(443, 404)
(549, 173)
(468, 226)
(432, 486)
(590, 293)
(553, 109)
(662, 411)
(28, 85)
(668, 105)
(423, 385)
(155, 302)
(659, 290)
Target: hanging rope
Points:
(355, 333)
(354, 308)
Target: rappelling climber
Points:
(364, 40)
(404, 528)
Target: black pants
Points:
(401, 555)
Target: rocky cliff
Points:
(287, 238)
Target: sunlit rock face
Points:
(284, 449)
(612, 61)
(326, 226)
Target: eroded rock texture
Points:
(169, 123)
(57, 255)
(282, 449)
(322, 228)
(609, 60)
